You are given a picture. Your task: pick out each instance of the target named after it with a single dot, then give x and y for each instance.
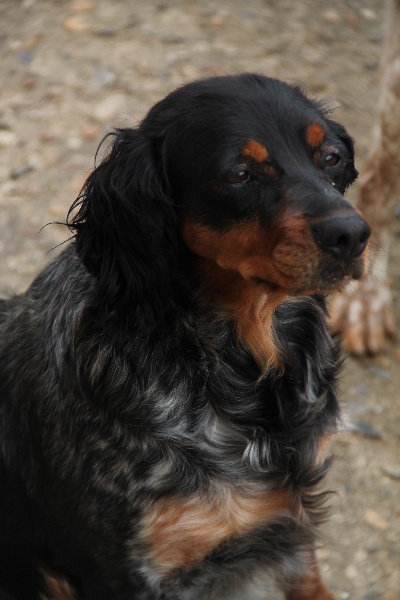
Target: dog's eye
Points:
(331, 159)
(238, 177)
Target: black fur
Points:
(121, 386)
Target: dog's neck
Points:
(250, 305)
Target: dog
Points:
(168, 382)
(363, 313)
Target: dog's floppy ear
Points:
(125, 234)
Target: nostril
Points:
(343, 236)
(341, 242)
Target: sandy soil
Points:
(72, 70)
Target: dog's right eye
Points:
(331, 159)
(238, 177)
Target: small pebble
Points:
(377, 37)
(371, 65)
(82, 6)
(378, 372)
(75, 25)
(352, 18)
(30, 82)
(7, 138)
(375, 520)
(360, 556)
(109, 108)
(48, 136)
(352, 572)
(25, 57)
(74, 142)
(21, 171)
(392, 472)
(32, 42)
(103, 78)
(332, 16)
(173, 38)
(368, 14)
(218, 20)
(249, 14)
(366, 429)
(89, 132)
(372, 547)
(107, 32)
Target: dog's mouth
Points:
(288, 263)
(329, 276)
(307, 289)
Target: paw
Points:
(363, 315)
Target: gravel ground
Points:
(72, 70)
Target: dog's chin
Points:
(334, 277)
(323, 284)
(331, 276)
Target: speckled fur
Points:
(127, 396)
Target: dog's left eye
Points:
(331, 159)
(238, 177)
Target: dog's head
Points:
(247, 174)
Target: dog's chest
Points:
(233, 499)
(181, 530)
(248, 474)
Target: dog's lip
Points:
(334, 284)
(327, 277)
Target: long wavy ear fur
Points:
(125, 235)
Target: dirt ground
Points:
(72, 70)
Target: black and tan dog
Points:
(168, 382)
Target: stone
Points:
(76, 25)
(109, 107)
(7, 138)
(375, 520)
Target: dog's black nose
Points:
(343, 236)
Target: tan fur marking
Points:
(250, 249)
(236, 259)
(315, 135)
(250, 269)
(251, 306)
(255, 151)
(182, 531)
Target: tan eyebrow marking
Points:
(255, 151)
(315, 135)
